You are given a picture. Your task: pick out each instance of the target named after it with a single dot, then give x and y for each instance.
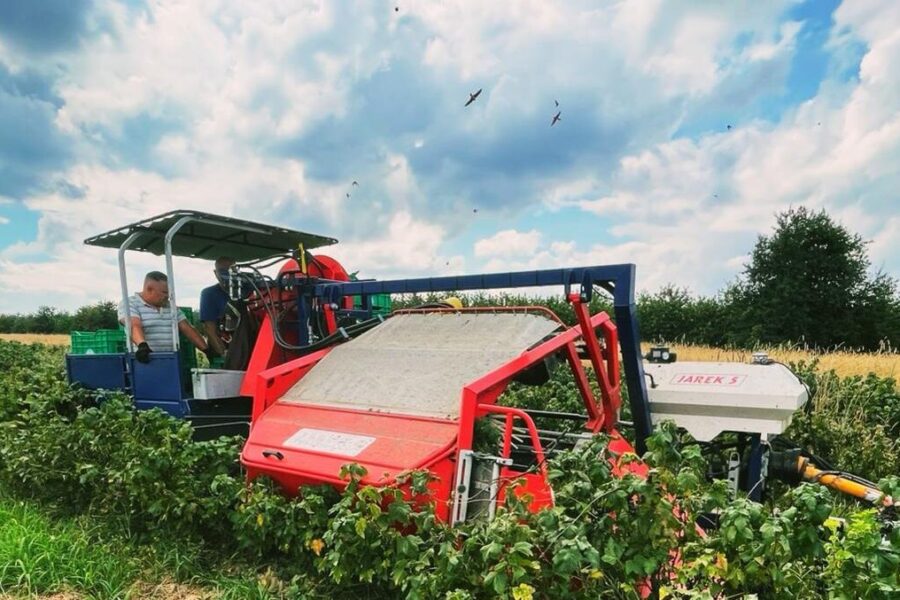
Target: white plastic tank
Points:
(708, 398)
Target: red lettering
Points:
(707, 379)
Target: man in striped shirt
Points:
(151, 319)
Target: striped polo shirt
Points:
(157, 322)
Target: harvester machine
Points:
(333, 376)
(407, 396)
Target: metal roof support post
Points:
(170, 274)
(123, 282)
(170, 270)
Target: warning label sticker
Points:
(335, 442)
(707, 379)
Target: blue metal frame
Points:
(616, 279)
(754, 482)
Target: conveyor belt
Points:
(418, 363)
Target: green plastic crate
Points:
(381, 303)
(102, 341)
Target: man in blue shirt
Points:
(214, 307)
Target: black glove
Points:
(143, 353)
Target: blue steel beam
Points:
(618, 278)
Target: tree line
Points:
(809, 282)
(101, 315)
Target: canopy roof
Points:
(209, 236)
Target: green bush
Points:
(852, 422)
(608, 535)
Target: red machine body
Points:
(297, 443)
(266, 352)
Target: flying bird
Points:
(348, 194)
(472, 97)
(396, 9)
(729, 128)
(474, 210)
(556, 102)
(355, 183)
(556, 118)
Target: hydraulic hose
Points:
(844, 483)
(794, 465)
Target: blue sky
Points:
(684, 130)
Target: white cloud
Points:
(691, 210)
(408, 247)
(236, 79)
(509, 243)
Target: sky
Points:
(685, 127)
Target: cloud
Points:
(509, 243)
(407, 248)
(687, 211)
(269, 110)
(45, 26)
(31, 147)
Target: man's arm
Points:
(212, 336)
(137, 330)
(192, 334)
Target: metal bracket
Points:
(463, 489)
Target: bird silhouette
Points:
(396, 9)
(348, 194)
(729, 128)
(556, 102)
(556, 118)
(472, 97)
(474, 210)
(355, 183)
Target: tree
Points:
(92, 317)
(45, 320)
(809, 282)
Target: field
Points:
(100, 501)
(53, 339)
(845, 364)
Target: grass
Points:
(43, 556)
(63, 558)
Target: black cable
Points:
(274, 258)
(794, 373)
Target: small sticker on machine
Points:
(335, 442)
(707, 379)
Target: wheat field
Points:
(846, 364)
(52, 339)
(883, 364)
